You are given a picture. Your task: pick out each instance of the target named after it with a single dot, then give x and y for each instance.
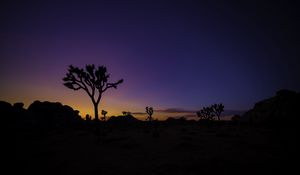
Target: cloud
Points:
(175, 110)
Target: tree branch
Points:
(114, 85)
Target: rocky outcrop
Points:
(284, 107)
(53, 114)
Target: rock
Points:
(283, 107)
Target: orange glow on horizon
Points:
(114, 102)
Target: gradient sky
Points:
(171, 54)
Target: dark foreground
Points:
(170, 149)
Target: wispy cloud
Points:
(175, 110)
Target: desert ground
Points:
(161, 148)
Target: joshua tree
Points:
(149, 111)
(199, 114)
(206, 113)
(217, 109)
(103, 112)
(94, 81)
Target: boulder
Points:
(283, 107)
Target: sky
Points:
(171, 54)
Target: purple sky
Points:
(171, 54)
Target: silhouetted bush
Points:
(182, 119)
(170, 119)
(88, 117)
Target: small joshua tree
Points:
(217, 109)
(94, 81)
(149, 111)
(103, 112)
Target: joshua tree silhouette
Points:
(206, 113)
(149, 111)
(217, 109)
(93, 80)
(103, 112)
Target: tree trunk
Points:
(96, 112)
